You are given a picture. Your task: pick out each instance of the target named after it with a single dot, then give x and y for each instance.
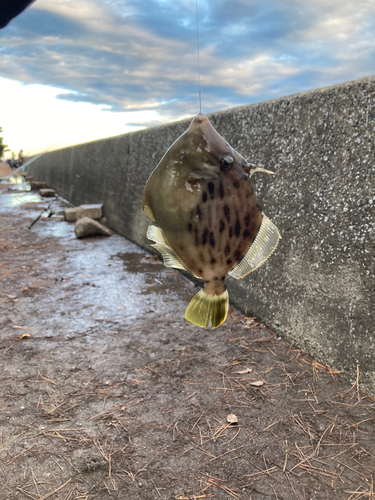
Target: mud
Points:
(108, 393)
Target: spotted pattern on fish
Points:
(209, 223)
(237, 228)
(227, 213)
(221, 190)
(204, 236)
(247, 219)
(212, 239)
(196, 237)
(225, 229)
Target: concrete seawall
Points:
(318, 289)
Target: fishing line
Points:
(199, 71)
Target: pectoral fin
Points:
(264, 245)
(170, 259)
(202, 174)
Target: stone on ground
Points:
(38, 185)
(47, 192)
(89, 227)
(93, 211)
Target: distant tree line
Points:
(3, 147)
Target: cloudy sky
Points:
(72, 71)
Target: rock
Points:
(103, 221)
(70, 214)
(89, 227)
(38, 184)
(47, 192)
(94, 211)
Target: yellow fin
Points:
(147, 210)
(154, 233)
(204, 309)
(264, 245)
(170, 259)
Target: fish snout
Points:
(246, 166)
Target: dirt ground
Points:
(106, 392)
(5, 169)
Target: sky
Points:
(73, 71)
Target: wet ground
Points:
(106, 392)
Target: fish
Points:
(206, 218)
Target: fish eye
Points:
(226, 162)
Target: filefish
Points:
(206, 217)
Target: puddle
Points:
(137, 262)
(53, 227)
(105, 279)
(20, 188)
(124, 287)
(14, 179)
(14, 199)
(156, 275)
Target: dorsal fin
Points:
(264, 245)
(170, 259)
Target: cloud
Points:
(129, 55)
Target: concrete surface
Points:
(318, 288)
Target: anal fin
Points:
(263, 247)
(170, 259)
(154, 233)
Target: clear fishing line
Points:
(199, 71)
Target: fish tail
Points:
(204, 308)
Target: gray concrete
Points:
(93, 211)
(318, 288)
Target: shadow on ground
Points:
(108, 393)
